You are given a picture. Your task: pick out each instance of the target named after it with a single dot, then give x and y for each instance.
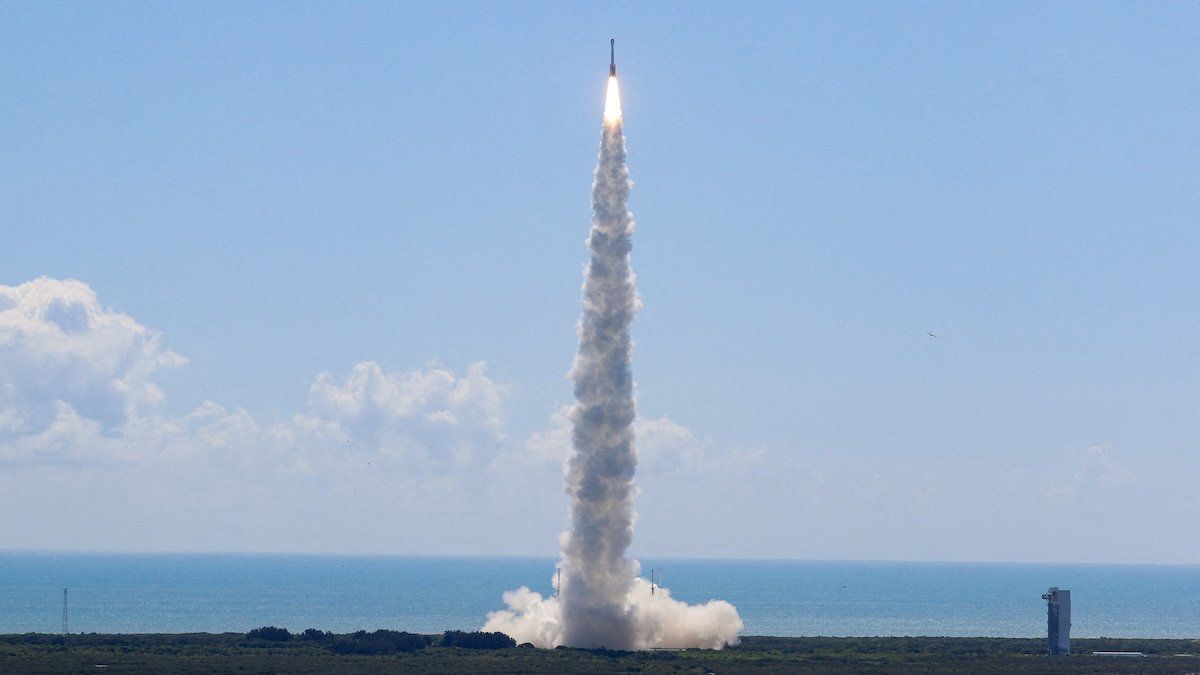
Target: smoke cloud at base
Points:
(601, 601)
(657, 621)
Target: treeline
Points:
(384, 641)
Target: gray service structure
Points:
(1058, 620)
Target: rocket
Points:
(612, 57)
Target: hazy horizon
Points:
(554, 557)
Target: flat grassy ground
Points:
(233, 653)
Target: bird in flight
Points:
(930, 334)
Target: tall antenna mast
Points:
(64, 613)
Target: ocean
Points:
(167, 593)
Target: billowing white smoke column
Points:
(597, 575)
(603, 603)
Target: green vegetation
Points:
(384, 641)
(477, 640)
(315, 651)
(270, 634)
(378, 642)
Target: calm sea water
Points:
(216, 593)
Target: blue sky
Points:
(284, 190)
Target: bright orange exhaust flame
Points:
(612, 103)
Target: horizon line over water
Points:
(123, 592)
(517, 556)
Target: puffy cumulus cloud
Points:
(433, 416)
(1100, 468)
(375, 460)
(669, 447)
(60, 347)
(66, 437)
(437, 395)
(663, 447)
(1095, 469)
(549, 446)
(78, 388)
(660, 621)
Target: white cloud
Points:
(1099, 467)
(1095, 469)
(79, 388)
(433, 416)
(380, 460)
(663, 445)
(60, 349)
(376, 460)
(66, 438)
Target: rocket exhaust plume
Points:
(602, 601)
(600, 470)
